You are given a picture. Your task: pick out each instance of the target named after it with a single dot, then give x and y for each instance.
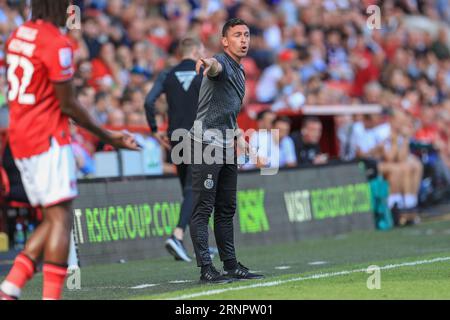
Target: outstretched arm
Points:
(70, 106)
(212, 67)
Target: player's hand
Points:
(242, 149)
(262, 163)
(242, 145)
(123, 140)
(250, 153)
(163, 139)
(206, 63)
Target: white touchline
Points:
(283, 267)
(143, 286)
(317, 263)
(314, 276)
(180, 281)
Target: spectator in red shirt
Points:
(364, 67)
(105, 71)
(429, 132)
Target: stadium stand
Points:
(305, 59)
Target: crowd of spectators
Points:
(303, 52)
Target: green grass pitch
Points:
(414, 262)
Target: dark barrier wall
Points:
(130, 219)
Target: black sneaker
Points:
(242, 273)
(177, 249)
(211, 275)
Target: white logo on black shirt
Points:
(209, 183)
(185, 78)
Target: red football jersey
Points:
(37, 54)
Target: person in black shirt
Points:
(306, 141)
(214, 184)
(181, 84)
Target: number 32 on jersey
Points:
(18, 87)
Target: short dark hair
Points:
(51, 11)
(309, 119)
(100, 96)
(82, 91)
(232, 23)
(282, 119)
(187, 45)
(261, 114)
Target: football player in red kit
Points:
(41, 97)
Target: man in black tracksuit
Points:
(215, 182)
(181, 84)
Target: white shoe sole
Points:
(174, 249)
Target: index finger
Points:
(198, 65)
(131, 143)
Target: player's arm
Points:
(70, 106)
(212, 67)
(149, 106)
